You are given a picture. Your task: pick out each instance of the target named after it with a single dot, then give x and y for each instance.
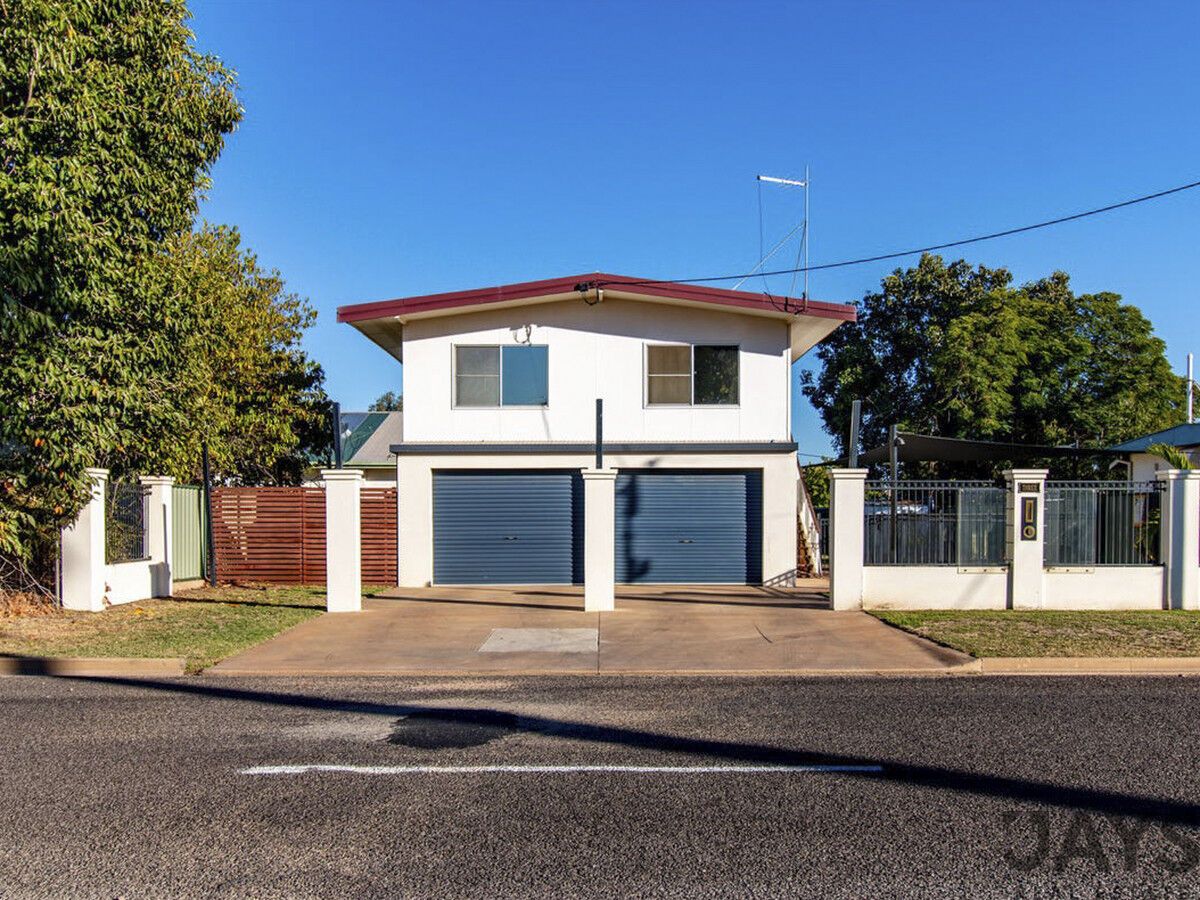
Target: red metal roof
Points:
(506, 293)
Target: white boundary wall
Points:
(1105, 587)
(934, 587)
(1025, 583)
(89, 582)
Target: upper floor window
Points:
(691, 375)
(501, 376)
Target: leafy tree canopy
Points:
(388, 401)
(116, 352)
(958, 351)
(246, 387)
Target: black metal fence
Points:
(125, 523)
(1103, 523)
(822, 513)
(934, 523)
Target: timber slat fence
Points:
(277, 534)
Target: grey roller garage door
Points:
(507, 527)
(689, 527)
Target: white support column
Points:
(158, 532)
(83, 551)
(847, 498)
(343, 539)
(1181, 537)
(1026, 537)
(599, 539)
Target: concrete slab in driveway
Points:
(664, 629)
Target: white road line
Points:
(552, 770)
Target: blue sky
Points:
(391, 149)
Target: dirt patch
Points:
(25, 603)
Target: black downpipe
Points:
(208, 515)
(337, 435)
(855, 419)
(894, 459)
(599, 433)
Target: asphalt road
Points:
(970, 786)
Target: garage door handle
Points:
(686, 541)
(510, 537)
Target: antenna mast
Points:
(802, 228)
(1191, 388)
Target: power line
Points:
(882, 256)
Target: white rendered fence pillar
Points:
(847, 498)
(1026, 537)
(1181, 537)
(83, 551)
(343, 539)
(158, 532)
(599, 539)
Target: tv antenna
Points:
(802, 227)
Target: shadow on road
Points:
(1019, 789)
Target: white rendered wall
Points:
(934, 587)
(343, 539)
(597, 351)
(415, 497)
(1104, 587)
(128, 582)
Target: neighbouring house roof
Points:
(1182, 436)
(369, 444)
(383, 321)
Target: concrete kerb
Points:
(994, 666)
(93, 666)
(133, 667)
(1095, 665)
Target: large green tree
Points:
(244, 384)
(127, 338)
(958, 351)
(388, 401)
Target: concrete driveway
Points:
(540, 629)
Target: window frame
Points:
(500, 404)
(691, 404)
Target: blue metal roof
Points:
(1179, 436)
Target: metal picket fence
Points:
(1103, 523)
(125, 522)
(934, 523)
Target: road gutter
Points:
(93, 666)
(1089, 665)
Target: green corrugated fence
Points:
(187, 532)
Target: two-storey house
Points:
(501, 421)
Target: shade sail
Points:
(929, 448)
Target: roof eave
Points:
(386, 333)
(576, 286)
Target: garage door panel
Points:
(507, 527)
(689, 527)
